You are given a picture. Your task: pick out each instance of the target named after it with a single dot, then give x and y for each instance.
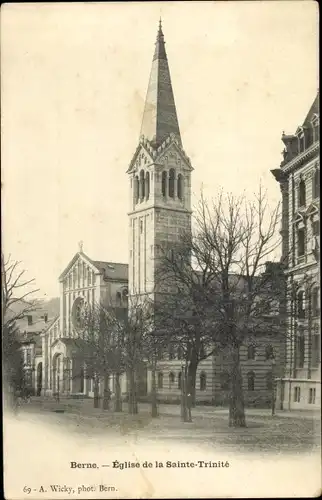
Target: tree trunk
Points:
(154, 403)
(96, 393)
(118, 396)
(236, 403)
(192, 372)
(107, 392)
(132, 399)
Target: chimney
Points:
(29, 319)
(45, 317)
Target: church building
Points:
(159, 185)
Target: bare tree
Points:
(223, 293)
(100, 348)
(17, 302)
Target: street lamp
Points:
(273, 386)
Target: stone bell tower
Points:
(159, 179)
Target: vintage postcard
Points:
(160, 256)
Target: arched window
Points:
(251, 381)
(81, 375)
(160, 380)
(316, 346)
(269, 352)
(315, 302)
(172, 175)
(147, 185)
(300, 349)
(164, 183)
(136, 189)
(180, 186)
(301, 242)
(316, 184)
(269, 380)
(172, 379)
(171, 352)
(225, 381)
(180, 380)
(316, 128)
(300, 305)
(251, 352)
(302, 194)
(118, 298)
(203, 381)
(179, 353)
(142, 185)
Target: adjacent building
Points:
(299, 179)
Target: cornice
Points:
(160, 207)
(298, 161)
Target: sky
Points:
(74, 79)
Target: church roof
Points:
(160, 115)
(112, 270)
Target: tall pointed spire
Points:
(160, 115)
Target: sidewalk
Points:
(85, 406)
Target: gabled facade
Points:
(299, 179)
(83, 282)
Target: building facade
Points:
(299, 179)
(84, 282)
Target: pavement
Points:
(85, 406)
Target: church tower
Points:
(159, 179)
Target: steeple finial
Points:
(159, 52)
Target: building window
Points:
(315, 302)
(136, 189)
(316, 228)
(300, 242)
(269, 352)
(269, 380)
(300, 305)
(118, 298)
(203, 381)
(180, 380)
(172, 378)
(301, 142)
(316, 184)
(297, 394)
(180, 187)
(160, 380)
(147, 185)
(316, 348)
(164, 184)
(300, 350)
(312, 393)
(316, 129)
(171, 182)
(141, 226)
(171, 352)
(251, 381)
(180, 353)
(302, 194)
(251, 352)
(28, 357)
(142, 185)
(225, 381)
